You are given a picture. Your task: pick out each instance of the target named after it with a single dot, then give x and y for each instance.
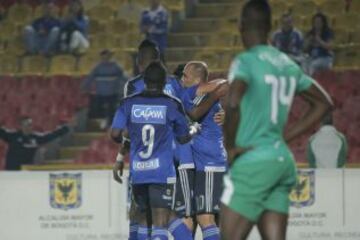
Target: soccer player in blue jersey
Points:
(208, 151)
(147, 53)
(153, 120)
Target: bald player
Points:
(263, 84)
(208, 151)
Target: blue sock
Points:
(179, 230)
(142, 232)
(133, 228)
(159, 233)
(211, 233)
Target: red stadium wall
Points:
(51, 100)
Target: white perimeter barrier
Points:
(90, 205)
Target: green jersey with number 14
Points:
(272, 80)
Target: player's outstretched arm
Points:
(200, 110)
(210, 86)
(320, 104)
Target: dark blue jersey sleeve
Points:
(180, 123)
(178, 88)
(120, 118)
(188, 98)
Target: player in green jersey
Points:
(263, 84)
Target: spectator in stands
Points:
(74, 30)
(23, 143)
(327, 148)
(318, 44)
(288, 39)
(41, 37)
(154, 24)
(130, 11)
(109, 79)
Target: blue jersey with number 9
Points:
(153, 120)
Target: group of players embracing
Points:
(177, 156)
(179, 169)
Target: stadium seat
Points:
(113, 4)
(63, 65)
(222, 40)
(15, 46)
(332, 7)
(225, 58)
(133, 40)
(96, 27)
(19, 13)
(8, 30)
(304, 8)
(174, 5)
(278, 8)
(101, 41)
(346, 20)
(121, 26)
(355, 37)
(355, 6)
(38, 11)
(87, 63)
(101, 13)
(34, 65)
(342, 36)
(125, 59)
(8, 65)
(210, 57)
(345, 59)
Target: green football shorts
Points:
(260, 180)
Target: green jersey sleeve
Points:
(304, 82)
(239, 69)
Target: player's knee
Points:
(160, 217)
(140, 217)
(205, 220)
(189, 223)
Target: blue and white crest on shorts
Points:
(148, 114)
(303, 193)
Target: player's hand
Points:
(195, 128)
(221, 90)
(219, 117)
(233, 153)
(118, 170)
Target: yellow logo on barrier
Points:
(303, 193)
(65, 191)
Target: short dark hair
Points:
(325, 29)
(155, 75)
(256, 14)
(179, 70)
(148, 48)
